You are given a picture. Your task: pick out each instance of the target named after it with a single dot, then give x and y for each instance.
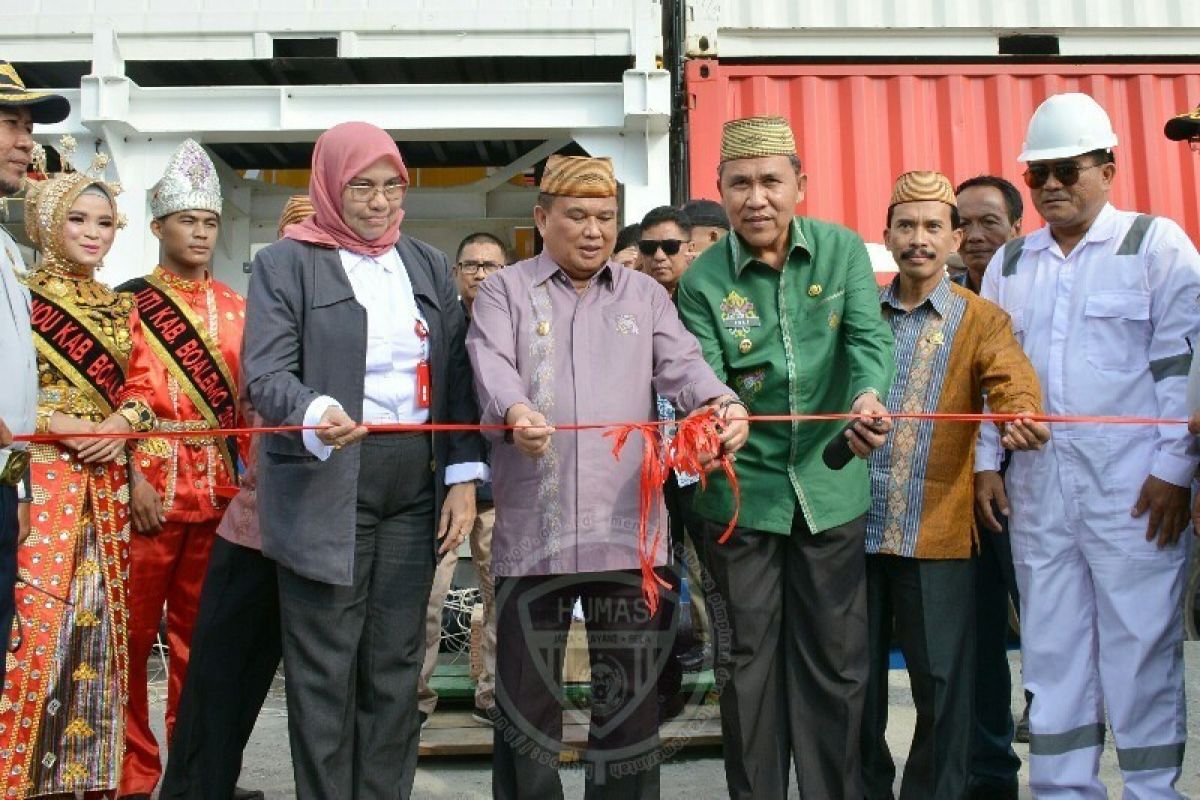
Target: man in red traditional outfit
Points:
(184, 366)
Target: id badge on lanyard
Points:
(424, 390)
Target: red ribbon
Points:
(690, 451)
(650, 497)
(443, 427)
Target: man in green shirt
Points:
(786, 310)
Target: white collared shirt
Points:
(18, 362)
(382, 287)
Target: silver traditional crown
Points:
(190, 183)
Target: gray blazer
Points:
(306, 336)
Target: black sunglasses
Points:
(650, 246)
(1065, 172)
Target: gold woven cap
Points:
(298, 208)
(579, 176)
(757, 137)
(913, 187)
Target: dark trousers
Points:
(8, 564)
(994, 763)
(626, 651)
(681, 523)
(352, 654)
(789, 617)
(235, 652)
(930, 607)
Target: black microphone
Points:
(837, 453)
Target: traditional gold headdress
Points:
(48, 201)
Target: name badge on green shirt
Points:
(739, 315)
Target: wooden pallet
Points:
(453, 684)
(455, 733)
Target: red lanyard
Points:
(424, 393)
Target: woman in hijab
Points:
(349, 323)
(61, 717)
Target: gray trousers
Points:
(932, 605)
(789, 617)
(352, 654)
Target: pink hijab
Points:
(342, 152)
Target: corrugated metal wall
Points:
(858, 127)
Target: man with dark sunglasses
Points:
(664, 253)
(664, 245)
(1104, 304)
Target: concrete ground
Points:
(696, 774)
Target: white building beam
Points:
(300, 113)
(501, 176)
(141, 127)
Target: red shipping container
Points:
(858, 126)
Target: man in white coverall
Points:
(1105, 305)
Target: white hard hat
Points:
(1067, 125)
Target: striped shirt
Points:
(924, 338)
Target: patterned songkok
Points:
(756, 137)
(913, 187)
(298, 208)
(579, 176)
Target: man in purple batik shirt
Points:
(562, 338)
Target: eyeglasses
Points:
(365, 192)
(473, 267)
(650, 246)
(1065, 172)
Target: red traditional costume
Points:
(184, 366)
(62, 711)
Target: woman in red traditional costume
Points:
(62, 711)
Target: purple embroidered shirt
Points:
(599, 355)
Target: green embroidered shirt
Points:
(806, 339)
